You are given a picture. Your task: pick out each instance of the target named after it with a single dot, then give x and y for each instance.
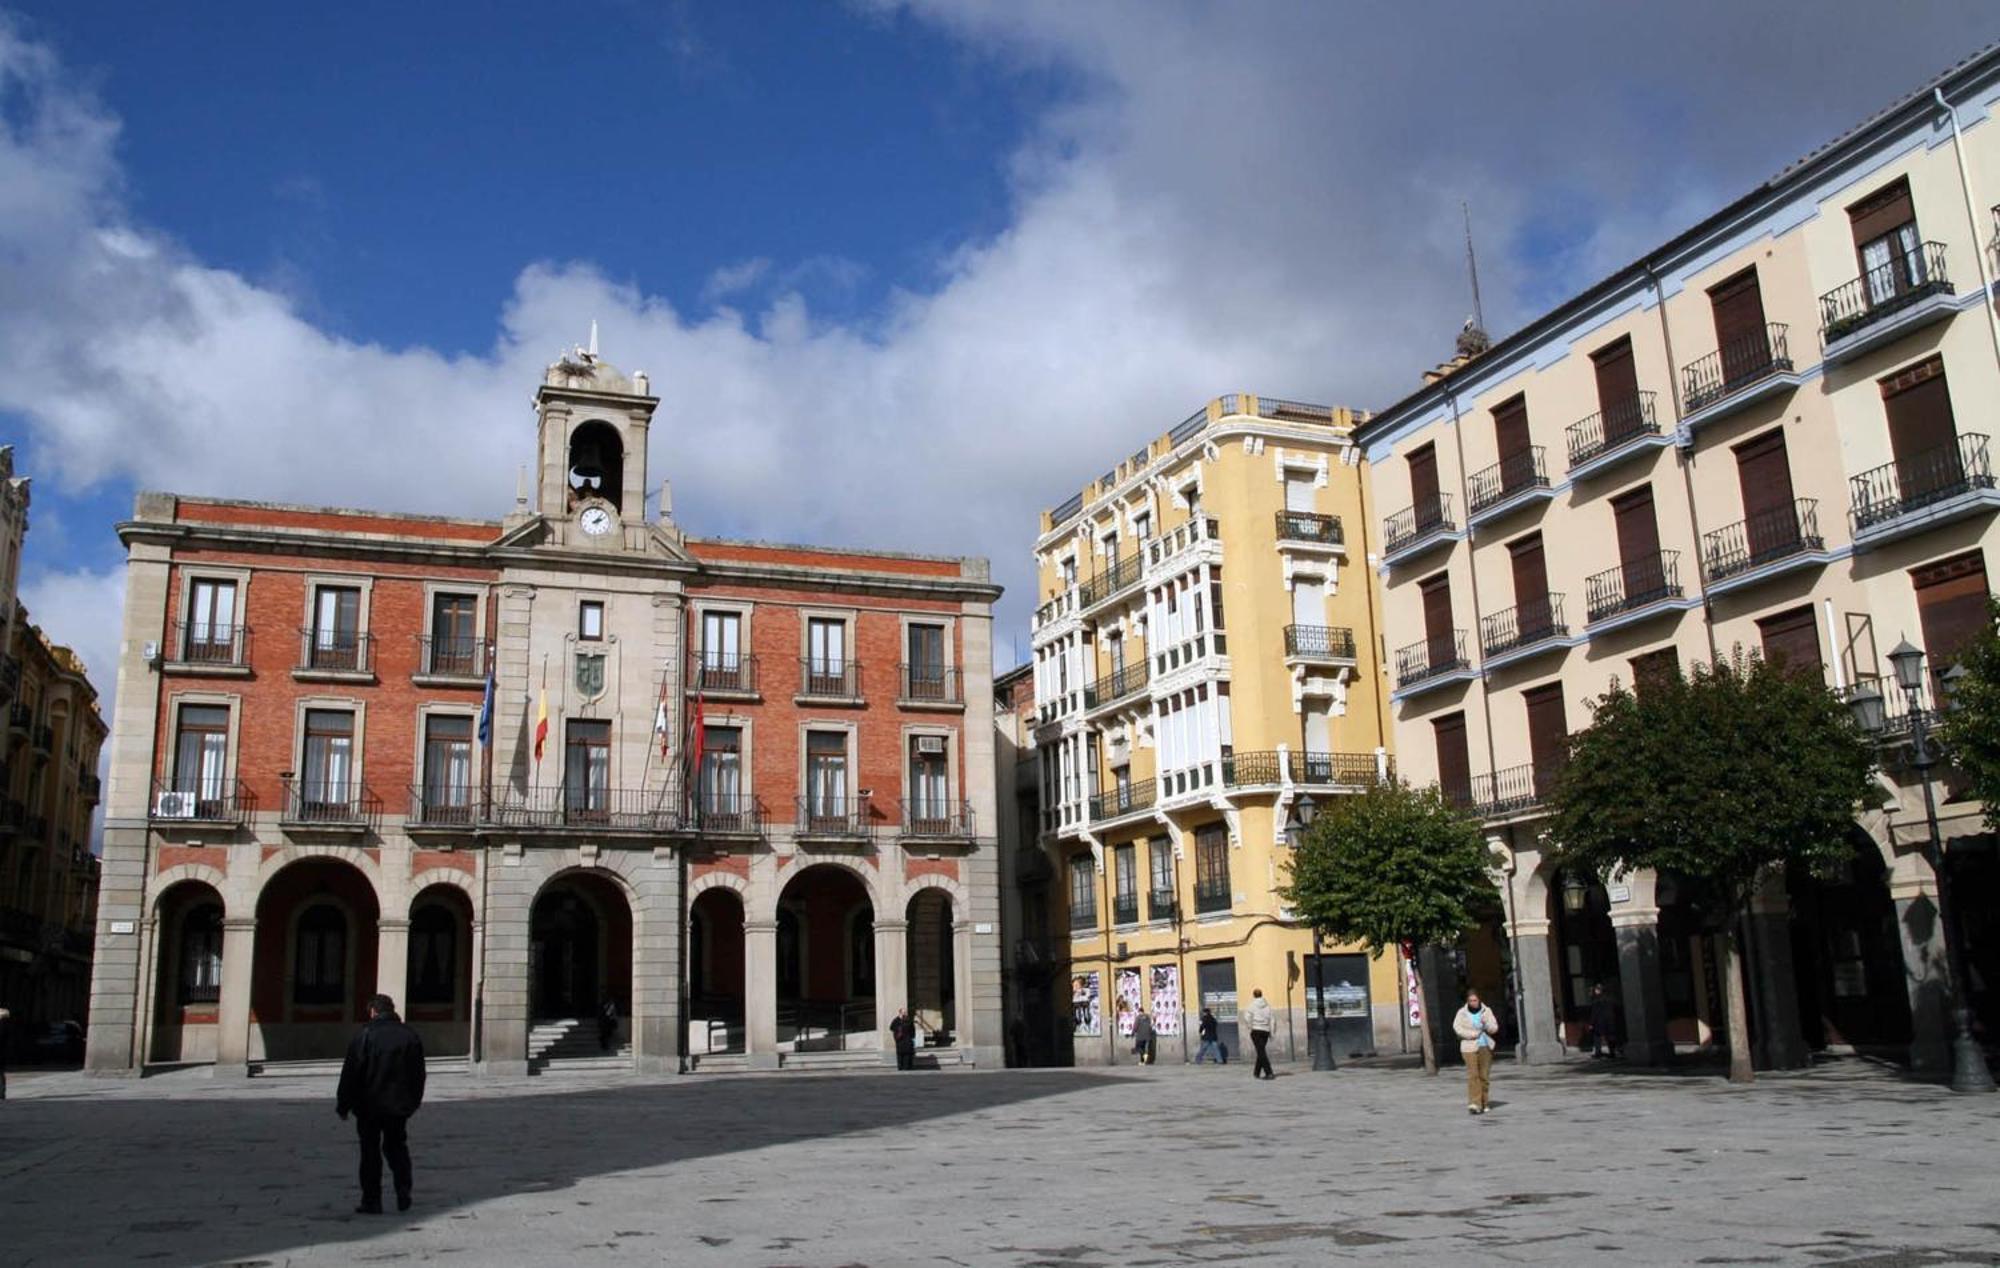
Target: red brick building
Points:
(758, 821)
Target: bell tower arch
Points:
(594, 420)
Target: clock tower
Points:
(591, 486)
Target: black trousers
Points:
(379, 1136)
(906, 1056)
(1260, 1038)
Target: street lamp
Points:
(1576, 894)
(1295, 835)
(1968, 1063)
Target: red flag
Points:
(694, 740)
(541, 723)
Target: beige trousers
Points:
(1478, 1075)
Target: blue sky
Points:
(904, 271)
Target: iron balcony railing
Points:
(90, 787)
(836, 817)
(1161, 904)
(1617, 425)
(1514, 789)
(45, 738)
(930, 684)
(200, 643)
(1896, 489)
(944, 820)
(1067, 511)
(442, 805)
(1440, 654)
(1250, 770)
(1505, 478)
(1122, 575)
(1309, 526)
(1412, 524)
(1211, 894)
(21, 719)
(1082, 918)
(1898, 712)
(1883, 291)
(336, 651)
(830, 679)
(583, 806)
(1763, 538)
(199, 800)
(1734, 366)
(334, 803)
(1114, 802)
(726, 814)
(1118, 685)
(201, 992)
(717, 671)
(10, 676)
(1633, 584)
(449, 656)
(1343, 770)
(1125, 909)
(1523, 625)
(1319, 642)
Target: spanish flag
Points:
(541, 723)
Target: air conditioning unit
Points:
(173, 805)
(930, 744)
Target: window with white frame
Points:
(826, 774)
(930, 783)
(335, 641)
(326, 778)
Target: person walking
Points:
(382, 1084)
(1475, 1025)
(607, 1022)
(1145, 1038)
(1603, 1023)
(904, 1032)
(1261, 1020)
(1211, 1045)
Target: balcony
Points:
(929, 687)
(836, 818)
(1765, 545)
(1319, 644)
(1058, 607)
(1435, 662)
(199, 801)
(1124, 909)
(1415, 529)
(1251, 770)
(1083, 920)
(936, 820)
(340, 805)
(1164, 551)
(829, 681)
(1513, 791)
(1338, 770)
(336, 655)
(10, 676)
(21, 721)
(1607, 439)
(1309, 528)
(1162, 904)
(583, 808)
(1516, 632)
(199, 647)
(451, 660)
(1934, 487)
(722, 674)
(1747, 369)
(43, 740)
(1122, 576)
(1131, 799)
(1516, 481)
(1114, 687)
(1211, 896)
(90, 788)
(716, 814)
(1898, 714)
(1885, 303)
(443, 807)
(1632, 591)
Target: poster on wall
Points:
(1128, 1001)
(1083, 1002)
(1167, 999)
(1414, 994)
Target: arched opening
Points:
(188, 979)
(439, 980)
(1848, 955)
(314, 962)
(826, 961)
(580, 951)
(1690, 965)
(596, 463)
(715, 972)
(932, 975)
(1586, 951)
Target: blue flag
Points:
(486, 714)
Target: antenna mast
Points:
(1472, 267)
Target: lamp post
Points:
(1322, 1043)
(1968, 1063)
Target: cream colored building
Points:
(1204, 656)
(1769, 433)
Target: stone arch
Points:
(720, 880)
(187, 980)
(585, 948)
(718, 964)
(871, 879)
(438, 962)
(353, 855)
(291, 883)
(825, 971)
(446, 877)
(202, 873)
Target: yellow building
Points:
(1767, 434)
(1204, 659)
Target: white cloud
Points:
(1234, 198)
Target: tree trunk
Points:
(1427, 1042)
(1740, 1069)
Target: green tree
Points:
(1721, 776)
(1392, 865)
(1971, 728)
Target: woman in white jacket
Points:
(1475, 1027)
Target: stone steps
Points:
(570, 1043)
(329, 1067)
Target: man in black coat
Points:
(382, 1084)
(904, 1032)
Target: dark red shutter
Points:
(1548, 732)
(1922, 434)
(1638, 542)
(1454, 766)
(1424, 485)
(1510, 430)
(1531, 586)
(1738, 304)
(1791, 640)
(1951, 605)
(1884, 211)
(1617, 389)
(1654, 668)
(1771, 524)
(1437, 618)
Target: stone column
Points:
(503, 983)
(392, 962)
(760, 993)
(1538, 992)
(1926, 976)
(1780, 1039)
(964, 1034)
(658, 1020)
(232, 1030)
(892, 979)
(1644, 997)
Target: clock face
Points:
(595, 520)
